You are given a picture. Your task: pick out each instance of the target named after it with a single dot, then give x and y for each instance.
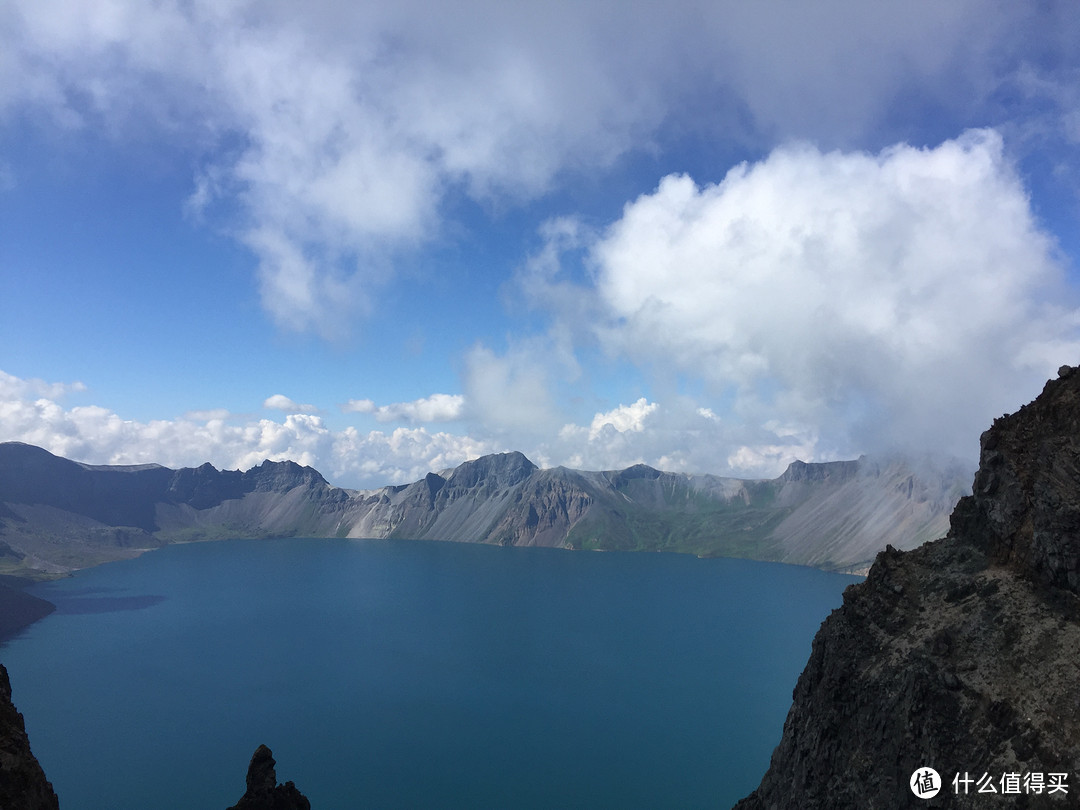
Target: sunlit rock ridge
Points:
(960, 655)
(58, 515)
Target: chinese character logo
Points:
(925, 783)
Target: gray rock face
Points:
(23, 785)
(959, 655)
(57, 515)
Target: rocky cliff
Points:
(23, 785)
(960, 655)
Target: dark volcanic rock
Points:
(961, 654)
(263, 791)
(1025, 504)
(23, 785)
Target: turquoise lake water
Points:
(391, 674)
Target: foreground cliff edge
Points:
(23, 785)
(960, 655)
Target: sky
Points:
(384, 238)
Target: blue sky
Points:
(712, 237)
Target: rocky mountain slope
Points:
(961, 655)
(58, 515)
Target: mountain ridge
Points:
(58, 515)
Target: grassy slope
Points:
(670, 515)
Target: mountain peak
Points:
(498, 469)
(821, 471)
(282, 475)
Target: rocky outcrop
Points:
(960, 655)
(1025, 504)
(263, 792)
(23, 785)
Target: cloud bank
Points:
(32, 411)
(328, 137)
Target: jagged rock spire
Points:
(263, 791)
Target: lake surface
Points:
(391, 674)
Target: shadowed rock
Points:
(960, 655)
(23, 785)
(263, 791)
(19, 610)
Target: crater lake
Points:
(401, 674)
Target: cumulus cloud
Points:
(609, 441)
(623, 418)
(280, 402)
(864, 301)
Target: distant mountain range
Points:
(58, 515)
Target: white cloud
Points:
(280, 402)
(335, 132)
(511, 392)
(623, 418)
(677, 436)
(899, 299)
(15, 388)
(435, 408)
(403, 455)
(347, 457)
(358, 406)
